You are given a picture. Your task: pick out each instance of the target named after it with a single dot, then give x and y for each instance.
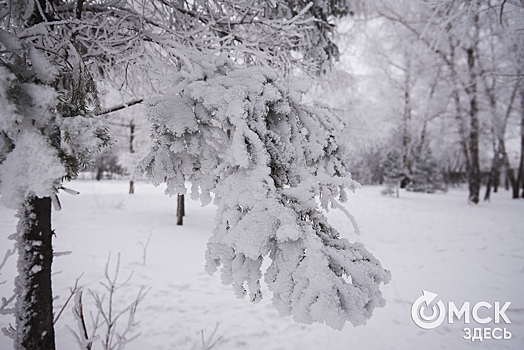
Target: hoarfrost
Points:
(45, 70)
(34, 106)
(80, 135)
(273, 165)
(31, 169)
(8, 116)
(10, 41)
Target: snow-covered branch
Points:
(273, 166)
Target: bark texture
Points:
(34, 305)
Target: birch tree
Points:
(461, 35)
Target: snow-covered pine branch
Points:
(272, 164)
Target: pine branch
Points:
(120, 107)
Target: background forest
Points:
(432, 93)
(438, 96)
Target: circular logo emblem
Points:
(420, 307)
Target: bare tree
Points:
(462, 35)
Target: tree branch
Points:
(120, 106)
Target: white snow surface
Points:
(437, 243)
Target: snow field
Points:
(438, 243)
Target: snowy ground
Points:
(438, 243)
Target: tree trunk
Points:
(510, 176)
(496, 182)
(99, 173)
(513, 182)
(520, 175)
(131, 150)
(131, 137)
(494, 173)
(34, 305)
(462, 130)
(487, 195)
(406, 120)
(474, 171)
(180, 210)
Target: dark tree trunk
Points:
(474, 171)
(494, 177)
(513, 182)
(131, 150)
(78, 9)
(494, 174)
(99, 173)
(34, 305)
(496, 182)
(520, 175)
(131, 137)
(487, 194)
(34, 296)
(510, 176)
(488, 188)
(180, 210)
